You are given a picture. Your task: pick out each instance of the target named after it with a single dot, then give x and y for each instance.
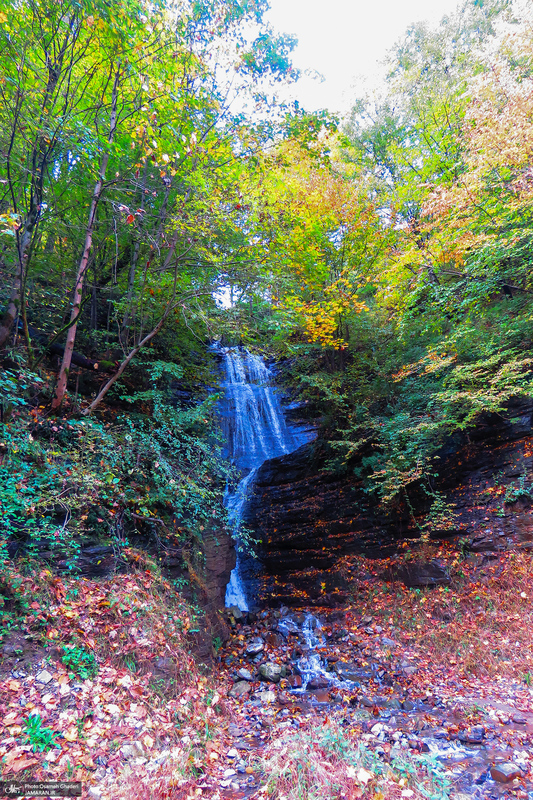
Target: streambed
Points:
(285, 666)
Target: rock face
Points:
(307, 519)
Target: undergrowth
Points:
(330, 763)
(478, 625)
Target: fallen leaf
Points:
(22, 763)
(71, 735)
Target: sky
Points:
(345, 40)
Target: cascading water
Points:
(310, 664)
(255, 430)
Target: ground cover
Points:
(418, 693)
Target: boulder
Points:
(418, 573)
(270, 672)
(318, 682)
(254, 648)
(239, 689)
(505, 773)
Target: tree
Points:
(143, 156)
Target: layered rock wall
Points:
(307, 519)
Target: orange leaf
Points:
(22, 763)
(130, 218)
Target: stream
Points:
(312, 663)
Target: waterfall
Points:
(255, 431)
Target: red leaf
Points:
(130, 218)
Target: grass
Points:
(39, 737)
(330, 763)
(176, 778)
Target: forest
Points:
(159, 199)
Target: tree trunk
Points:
(147, 338)
(41, 155)
(101, 394)
(61, 386)
(15, 297)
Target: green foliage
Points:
(40, 737)
(80, 661)
(65, 481)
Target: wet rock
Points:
(318, 682)
(351, 672)
(504, 773)
(245, 674)
(235, 612)
(270, 672)
(473, 736)
(255, 648)
(239, 689)
(386, 642)
(295, 681)
(273, 639)
(408, 705)
(518, 719)
(394, 703)
(366, 702)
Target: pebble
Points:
(245, 674)
(44, 676)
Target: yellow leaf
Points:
(71, 735)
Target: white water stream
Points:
(255, 430)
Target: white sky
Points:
(345, 40)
